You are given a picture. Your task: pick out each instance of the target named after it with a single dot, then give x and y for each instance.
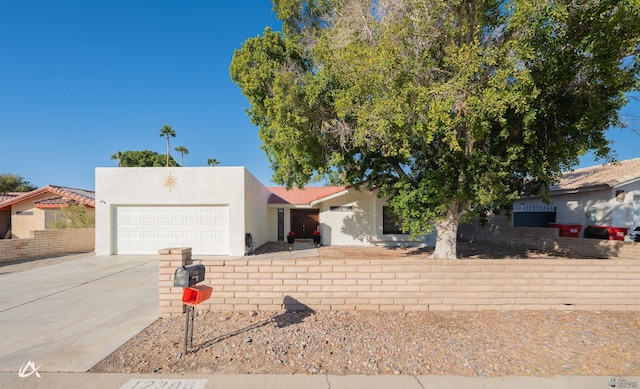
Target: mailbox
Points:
(196, 294)
(187, 276)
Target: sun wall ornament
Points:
(170, 182)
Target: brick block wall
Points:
(500, 231)
(408, 284)
(170, 296)
(48, 242)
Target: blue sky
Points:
(80, 80)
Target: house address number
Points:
(145, 383)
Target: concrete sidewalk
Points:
(135, 381)
(69, 316)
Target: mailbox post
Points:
(187, 277)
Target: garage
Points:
(146, 229)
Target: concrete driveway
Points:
(69, 316)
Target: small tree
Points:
(213, 162)
(144, 158)
(167, 132)
(73, 216)
(117, 156)
(182, 150)
(14, 183)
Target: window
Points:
(280, 224)
(341, 208)
(391, 223)
(50, 216)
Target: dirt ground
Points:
(485, 343)
(465, 250)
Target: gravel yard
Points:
(482, 343)
(485, 343)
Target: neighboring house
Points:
(5, 216)
(606, 195)
(22, 213)
(140, 210)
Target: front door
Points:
(304, 222)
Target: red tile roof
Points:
(53, 202)
(9, 196)
(600, 176)
(81, 196)
(294, 196)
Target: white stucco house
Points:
(603, 195)
(140, 210)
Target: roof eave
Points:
(627, 182)
(329, 197)
(49, 206)
(6, 205)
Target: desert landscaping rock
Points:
(478, 343)
(485, 343)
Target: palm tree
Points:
(118, 157)
(213, 162)
(166, 131)
(182, 150)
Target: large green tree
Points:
(449, 107)
(142, 158)
(117, 156)
(14, 183)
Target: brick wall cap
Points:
(174, 250)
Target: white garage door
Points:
(146, 229)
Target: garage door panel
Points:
(192, 221)
(144, 230)
(149, 247)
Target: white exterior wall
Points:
(348, 228)
(361, 226)
(256, 213)
(596, 207)
(626, 212)
(272, 212)
(272, 222)
(146, 186)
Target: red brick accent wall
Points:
(406, 284)
(48, 242)
(500, 231)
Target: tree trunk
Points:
(447, 230)
(167, 150)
